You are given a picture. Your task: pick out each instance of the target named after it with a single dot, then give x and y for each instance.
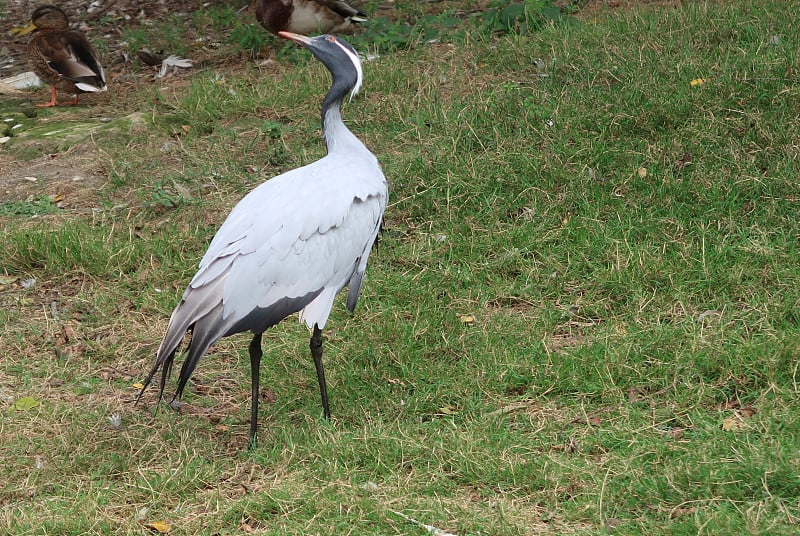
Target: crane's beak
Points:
(297, 38)
(23, 30)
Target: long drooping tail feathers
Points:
(201, 340)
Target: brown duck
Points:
(60, 56)
(307, 17)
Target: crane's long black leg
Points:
(255, 367)
(316, 353)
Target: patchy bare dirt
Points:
(61, 160)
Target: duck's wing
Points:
(70, 55)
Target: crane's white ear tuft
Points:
(353, 56)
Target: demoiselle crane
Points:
(288, 246)
(307, 16)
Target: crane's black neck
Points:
(335, 131)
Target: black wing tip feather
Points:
(164, 361)
(165, 364)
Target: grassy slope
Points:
(621, 317)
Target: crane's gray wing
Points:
(272, 248)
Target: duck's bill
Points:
(23, 30)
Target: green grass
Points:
(625, 243)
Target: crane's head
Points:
(339, 57)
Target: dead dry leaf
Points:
(676, 433)
(747, 412)
(677, 512)
(448, 410)
(269, 396)
(7, 279)
(160, 527)
(733, 424)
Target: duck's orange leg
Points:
(52, 99)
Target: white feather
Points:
(357, 64)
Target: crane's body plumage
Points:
(288, 246)
(264, 263)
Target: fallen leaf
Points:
(138, 385)
(699, 81)
(158, 526)
(466, 319)
(729, 404)
(642, 172)
(733, 424)
(677, 512)
(676, 433)
(269, 396)
(747, 412)
(25, 403)
(7, 279)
